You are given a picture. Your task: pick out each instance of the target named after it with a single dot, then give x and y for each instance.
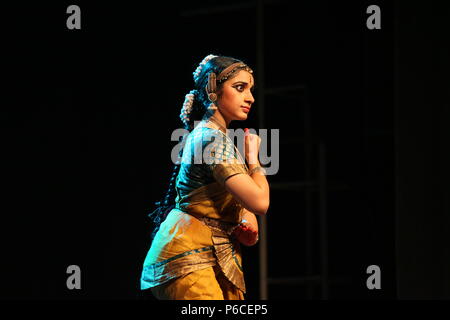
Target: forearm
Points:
(260, 179)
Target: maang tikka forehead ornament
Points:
(211, 86)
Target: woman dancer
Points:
(211, 204)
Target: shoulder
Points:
(207, 136)
(210, 143)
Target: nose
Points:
(249, 98)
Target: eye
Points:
(240, 87)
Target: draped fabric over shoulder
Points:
(193, 247)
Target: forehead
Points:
(243, 76)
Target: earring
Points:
(212, 97)
(211, 87)
(212, 107)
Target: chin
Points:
(242, 117)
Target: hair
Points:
(194, 107)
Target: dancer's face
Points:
(235, 98)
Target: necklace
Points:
(214, 121)
(223, 131)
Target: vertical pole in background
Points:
(309, 225)
(323, 220)
(263, 274)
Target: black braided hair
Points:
(164, 206)
(200, 103)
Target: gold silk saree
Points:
(193, 255)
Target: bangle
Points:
(257, 169)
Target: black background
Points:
(86, 118)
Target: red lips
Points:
(246, 108)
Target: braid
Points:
(168, 203)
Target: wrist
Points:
(259, 169)
(254, 164)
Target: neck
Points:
(218, 118)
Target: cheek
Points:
(230, 97)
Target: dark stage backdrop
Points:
(87, 115)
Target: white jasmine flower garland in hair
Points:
(197, 71)
(186, 109)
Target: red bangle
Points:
(244, 228)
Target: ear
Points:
(219, 91)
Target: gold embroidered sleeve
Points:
(223, 171)
(223, 160)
